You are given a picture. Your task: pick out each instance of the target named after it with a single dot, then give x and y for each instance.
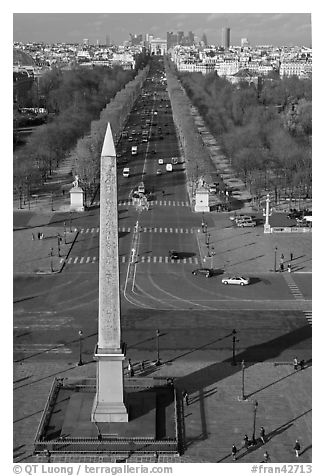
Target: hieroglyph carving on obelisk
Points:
(109, 404)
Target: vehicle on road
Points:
(236, 280)
(126, 172)
(236, 217)
(246, 223)
(174, 254)
(160, 161)
(295, 214)
(169, 167)
(212, 189)
(141, 188)
(134, 150)
(174, 160)
(159, 172)
(207, 272)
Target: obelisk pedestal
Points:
(109, 404)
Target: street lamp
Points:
(207, 239)
(59, 241)
(275, 250)
(243, 380)
(80, 348)
(234, 340)
(70, 219)
(52, 208)
(254, 424)
(203, 225)
(65, 233)
(51, 260)
(157, 341)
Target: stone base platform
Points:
(66, 427)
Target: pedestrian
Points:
(282, 257)
(185, 397)
(302, 364)
(297, 448)
(262, 435)
(266, 457)
(281, 267)
(233, 452)
(291, 256)
(246, 441)
(295, 363)
(289, 268)
(38, 236)
(130, 368)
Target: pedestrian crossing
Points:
(162, 203)
(295, 291)
(309, 316)
(142, 229)
(125, 259)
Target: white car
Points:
(160, 161)
(236, 280)
(246, 223)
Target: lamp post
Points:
(52, 208)
(157, 341)
(234, 340)
(59, 241)
(70, 220)
(275, 250)
(203, 225)
(207, 239)
(243, 380)
(65, 233)
(51, 260)
(80, 348)
(254, 422)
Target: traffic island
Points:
(66, 428)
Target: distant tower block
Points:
(109, 405)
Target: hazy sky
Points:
(259, 28)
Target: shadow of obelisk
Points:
(109, 404)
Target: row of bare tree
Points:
(265, 129)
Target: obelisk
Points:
(109, 404)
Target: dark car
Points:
(295, 214)
(174, 254)
(203, 272)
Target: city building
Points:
(225, 37)
(158, 46)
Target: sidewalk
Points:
(215, 419)
(249, 250)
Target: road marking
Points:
(94, 259)
(309, 316)
(81, 260)
(75, 260)
(88, 259)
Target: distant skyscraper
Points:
(190, 38)
(171, 39)
(85, 42)
(204, 39)
(244, 42)
(225, 37)
(180, 35)
(135, 39)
